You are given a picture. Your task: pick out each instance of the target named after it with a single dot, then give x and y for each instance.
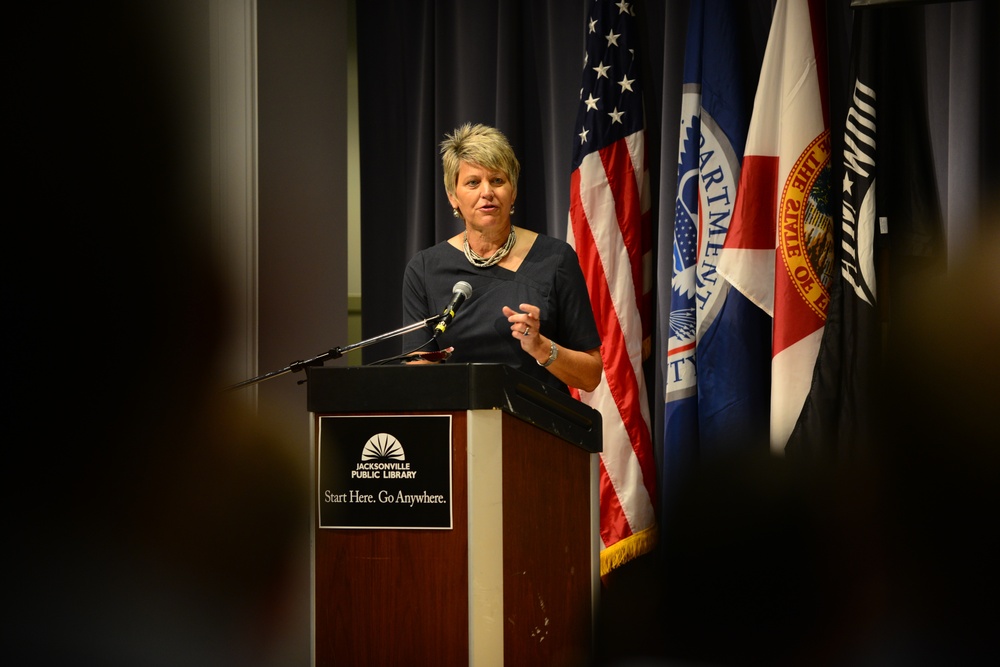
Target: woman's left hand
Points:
(526, 326)
(579, 369)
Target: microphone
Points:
(459, 293)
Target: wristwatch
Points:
(553, 353)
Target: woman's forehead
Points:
(475, 168)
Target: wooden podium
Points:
(512, 577)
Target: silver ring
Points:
(527, 330)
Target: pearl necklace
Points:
(483, 262)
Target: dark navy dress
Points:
(549, 277)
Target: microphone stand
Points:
(334, 353)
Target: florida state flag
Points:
(779, 249)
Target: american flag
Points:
(609, 225)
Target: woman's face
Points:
(483, 197)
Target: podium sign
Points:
(386, 471)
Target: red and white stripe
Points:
(608, 227)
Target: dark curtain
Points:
(424, 68)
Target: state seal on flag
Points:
(805, 225)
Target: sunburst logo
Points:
(383, 447)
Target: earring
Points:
(512, 209)
(455, 213)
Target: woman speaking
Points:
(529, 307)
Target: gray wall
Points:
(302, 172)
(302, 226)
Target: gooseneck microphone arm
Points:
(334, 353)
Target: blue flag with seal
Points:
(717, 366)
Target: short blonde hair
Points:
(481, 145)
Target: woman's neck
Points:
(486, 243)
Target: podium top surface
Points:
(340, 390)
